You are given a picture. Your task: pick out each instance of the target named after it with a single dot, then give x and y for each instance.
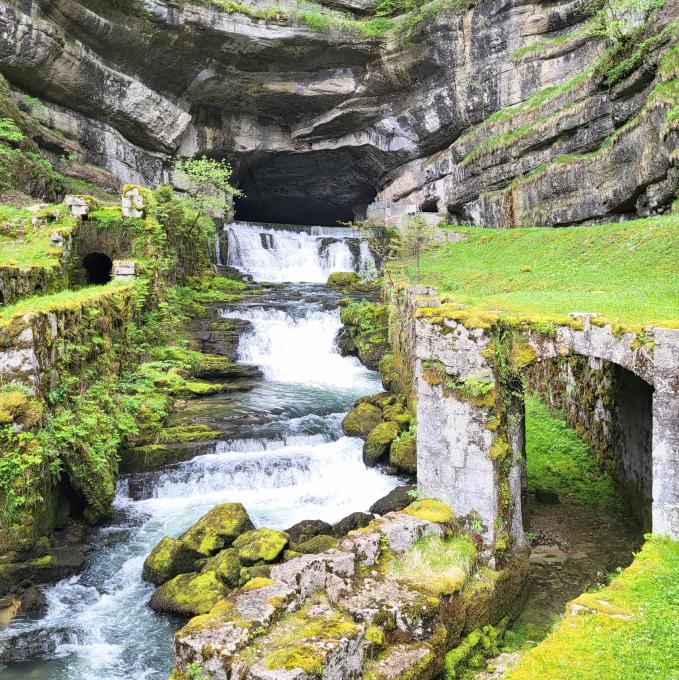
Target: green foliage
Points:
(558, 461)
(207, 183)
(9, 131)
(195, 671)
(617, 19)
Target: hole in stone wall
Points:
(430, 206)
(98, 267)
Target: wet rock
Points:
(356, 520)
(217, 529)
(361, 420)
(316, 544)
(219, 367)
(33, 602)
(33, 644)
(226, 565)
(378, 442)
(168, 558)
(260, 544)
(397, 499)
(403, 455)
(306, 529)
(189, 594)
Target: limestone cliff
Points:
(504, 113)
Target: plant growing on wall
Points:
(617, 19)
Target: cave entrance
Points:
(430, 206)
(98, 268)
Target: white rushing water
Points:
(296, 465)
(297, 254)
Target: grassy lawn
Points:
(557, 460)
(627, 272)
(631, 632)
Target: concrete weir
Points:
(469, 371)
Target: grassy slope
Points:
(623, 271)
(557, 460)
(631, 635)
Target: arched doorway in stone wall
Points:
(98, 268)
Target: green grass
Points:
(66, 299)
(631, 634)
(34, 250)
(557, 460)
(440, 566)
(623, 271)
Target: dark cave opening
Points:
(308, 211)
(98, 267)
(430, 206)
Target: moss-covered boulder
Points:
(344, 281)
(169, 558)
(361, 420)
(189, 594)
(403, 454)
(378, 441)
(399, 414)
(397, 499)
(317, 544)
(306, 529)
(260, 545)
(217, 529)
(226, 565)
(367, 324)
(356, 520)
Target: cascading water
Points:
(295, 253)
(294, 464)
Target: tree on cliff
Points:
(415, 238)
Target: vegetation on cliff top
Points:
(627, 630)
(621, 271)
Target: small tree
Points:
(616, 19)
(415, 238)
(208, 183)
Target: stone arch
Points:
(98, 267)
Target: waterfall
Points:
(295, 254)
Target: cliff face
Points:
(324, 124)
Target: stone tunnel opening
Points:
(98, 268)
(607, 408)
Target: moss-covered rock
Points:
(317, 544)
(169, 558)
(343, 281)
(306, 529)
(356, 520)
(361, 420)
(260, 544)
(217, 529)
(367, 325)
(189, 594)
(431, 510)
(397, 499)
(227, 567)
(403, 454)
(378, 441)
(399, 414)
(290, 555)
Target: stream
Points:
(289, 461)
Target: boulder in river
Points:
(227, 566)
(356, 520)
(378, 442)
(189, 594)
(361, 420)
(403, 454)
(260, 544)
(317, 544)
(306, 529)
(217, 529)
(169, 558)
(397, 499)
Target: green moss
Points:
(217, 529)
(431, 510)
(378, 441)
(257, 583)
(403, 453)
(189, 594)
(367, 325)
(361, 420)
(168, 558)
(260, 544)
(316, 544)
(226, 566)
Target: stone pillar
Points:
(666, 433)
(124, 270)
(453, 437)
(132, 203)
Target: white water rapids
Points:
(294, 464)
